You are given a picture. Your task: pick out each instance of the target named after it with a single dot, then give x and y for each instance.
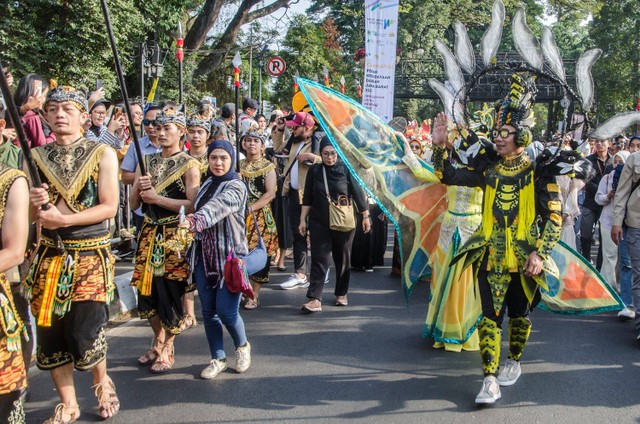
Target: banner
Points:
(381, 32)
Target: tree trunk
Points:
(224, 45)
(197, 34)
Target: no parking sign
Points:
(276, 66)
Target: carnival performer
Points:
(70, 288)
(219, 227)
(198, 130)
(508, 253)
(14, 212)
(260, 176)
(160, 274)
(447, 321)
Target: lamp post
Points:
(296, 87)
(237, 61)
(180, 57)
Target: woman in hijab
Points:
(326, 242)
(219, 227)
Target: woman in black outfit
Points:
(324, 241)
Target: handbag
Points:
(341, 213)
(256, 260)
(235, 276)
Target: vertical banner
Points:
(381, 32)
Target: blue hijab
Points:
(212, 182)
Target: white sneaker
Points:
(243, 358)
(510, 373)
(490, 391)
(215, 367)
(627, 313)
(294, 282)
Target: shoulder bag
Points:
(341, 213)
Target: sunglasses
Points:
(147, 122)
(503, 133)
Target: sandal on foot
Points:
(165, 360)
(72, 411)
(188, 322)
(107, 399)
(250, 304)
(152, 355)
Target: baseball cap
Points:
(248, 102)
(301, 119)
(227, 110)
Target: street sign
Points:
(276, 66)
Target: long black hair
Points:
(27, 88)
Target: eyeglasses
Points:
(147, 122)
(503, 133)
(329, 154)
(415, 147)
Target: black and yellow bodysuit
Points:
(522, 213)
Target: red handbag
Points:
(236, 277)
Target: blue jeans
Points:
(633, 242)
(219, 306)
(626, 276)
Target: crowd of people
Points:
(270, 187)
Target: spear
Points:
(180, 57)
(26, 149)
(123, 87)
(237, 61)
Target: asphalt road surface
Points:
(365, 363)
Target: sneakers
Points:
(243, 358)
(341, 301)
(490, 391)
(627, 313)
(215, 367)
(295, 282)
(510, 373)
(314, 305)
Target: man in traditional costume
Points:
(160, 274)
(71, 284)
(198, 131)
(508, 253)
(14, 207)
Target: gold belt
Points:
(79, 245)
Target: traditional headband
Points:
(62, 94)
(196, 120)
(171, 116)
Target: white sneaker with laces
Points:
(294, 282)
(215, 367)
(510, 373)
(627, 313)
(490, 391)
(243, 358)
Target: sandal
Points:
(152, 355)
(250, 304)
(165, 360)
(73, 411)
(107, 399)
(282, 268)
(188, 322)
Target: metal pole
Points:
(260, 86)
(250, 59)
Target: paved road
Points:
(366, 363)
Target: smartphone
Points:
(99, 84)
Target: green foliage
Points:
(67, 40)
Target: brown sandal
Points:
(251, 304)
(188, 322)
(73, 411)
(107, 399)
(152, 355)
(164, 363)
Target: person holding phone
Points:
(109, 132)
(29, 96)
